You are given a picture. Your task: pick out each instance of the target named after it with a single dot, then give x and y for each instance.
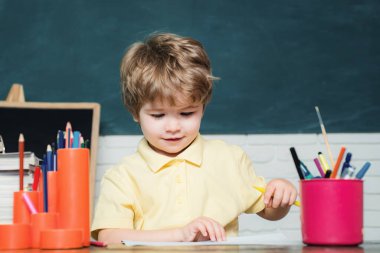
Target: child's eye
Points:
(186, 113)
(157, 115)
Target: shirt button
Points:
(178, 179)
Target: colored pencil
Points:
(21, 145)
(338, 162)
(262, 190)
(29, 203)
(36, 178)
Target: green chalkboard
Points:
(276, 59)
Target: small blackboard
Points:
(40, 122)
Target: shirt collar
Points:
(156, 161)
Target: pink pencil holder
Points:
(332, 211)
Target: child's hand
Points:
(202, 229)
(279, 193)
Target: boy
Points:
(178, 186)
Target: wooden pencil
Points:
(21, 145)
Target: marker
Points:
(323, 162)
(305, 171)
(319, 167)
(297, 163)
(262, 190)
(337, 164)
(349, 172)
(346, 163)
(328, 173)
(76, 141)
(363, 170)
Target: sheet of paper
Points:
(276, 238)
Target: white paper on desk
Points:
(260, 239)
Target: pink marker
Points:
(29, 203)
(319, 167)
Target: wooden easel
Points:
(16, 94)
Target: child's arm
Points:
(200, 229)
(279, 195)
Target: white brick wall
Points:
(271, 157)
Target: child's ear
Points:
(135, 119)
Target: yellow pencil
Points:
(262, 190)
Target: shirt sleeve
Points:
(251, 180)
(116, 206)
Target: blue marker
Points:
(363, 170)
(305, 171)
(346, 164)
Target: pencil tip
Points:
(21, 137)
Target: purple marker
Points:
(319, 167)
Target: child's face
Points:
(170, 129)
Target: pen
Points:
(337, 164)
(262, 190)
(318, 164)
(346, 163)
(363, 170)
(297, 163)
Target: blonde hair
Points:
(165, 66)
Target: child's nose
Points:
(173, 125)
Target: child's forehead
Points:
(178, 104)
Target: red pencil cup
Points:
(42, 221)
(332, 211)
(21, 212)
(74, 190)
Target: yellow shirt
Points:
(149, 191)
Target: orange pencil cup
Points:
(21, 212)
(332, 211)
(14, 236)
(40, 222)
(52, 178)
(74, 190)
